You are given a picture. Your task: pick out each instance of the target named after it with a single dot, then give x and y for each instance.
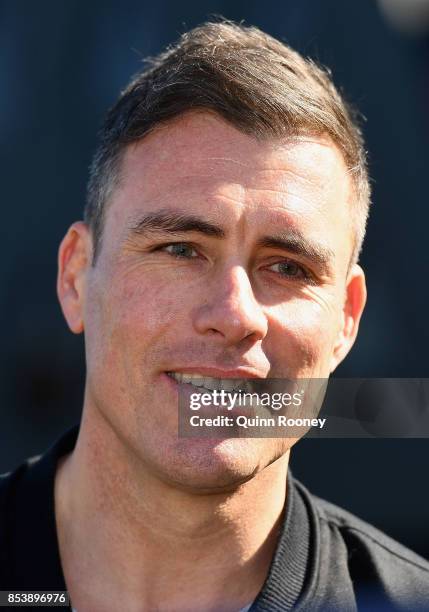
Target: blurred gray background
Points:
(63, 63)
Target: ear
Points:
(74, 260)
(355, 300)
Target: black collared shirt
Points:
(326, 558)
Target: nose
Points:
(231, 310)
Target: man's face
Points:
(224, 257)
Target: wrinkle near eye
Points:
(327, 300)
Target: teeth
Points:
(228, 384)
(211, 384)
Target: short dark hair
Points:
(255, 82)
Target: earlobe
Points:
(74, 259)
(355, 300)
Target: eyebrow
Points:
(176, 222)
(294, 242)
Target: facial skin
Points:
(230, 302)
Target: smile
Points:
(206, 382)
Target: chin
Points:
(212, 465)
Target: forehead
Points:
(200, 161)
(202, 145)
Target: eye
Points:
(290, 269)
(181, 250)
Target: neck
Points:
(129, 540)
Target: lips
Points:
(207, 382)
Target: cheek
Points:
(127, 318)
(125, 323)
(147, 309)
(308, 330)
